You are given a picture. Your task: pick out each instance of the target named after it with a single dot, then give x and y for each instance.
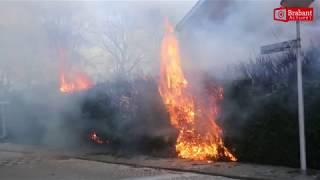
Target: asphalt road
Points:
(35, 166)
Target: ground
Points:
(36, 162)
(16, 165)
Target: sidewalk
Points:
(227, 169)
(36, 163)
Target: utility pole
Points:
(303, 161)
(282, 46)
(3, 120)
(302, 141)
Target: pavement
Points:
(38, 163)
(233, 170)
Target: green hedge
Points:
(259, 112)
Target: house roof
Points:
(296, 3)
(210, 9)
(216, 10)
(191, 13)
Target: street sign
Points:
(280, 14)
(296, 3)
(279, 47)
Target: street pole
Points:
(303, 162)
(3, 122)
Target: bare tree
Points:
(129, 42)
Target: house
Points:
(203, 11)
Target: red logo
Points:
(293, 14)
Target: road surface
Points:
(43, 166)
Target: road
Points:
(42, 166)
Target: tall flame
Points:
(199, 138)
(75, 81)
(72, 81)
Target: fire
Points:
(96, 139)
(72, 81)
(199, 138)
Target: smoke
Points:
(222, 36)
(108, 39)
(32, 34)
(233, 31)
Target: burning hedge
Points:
(199, 138)
(130, 115)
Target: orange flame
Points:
(73, 80)
(96, 139)
(78, 81)
(199, 138)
